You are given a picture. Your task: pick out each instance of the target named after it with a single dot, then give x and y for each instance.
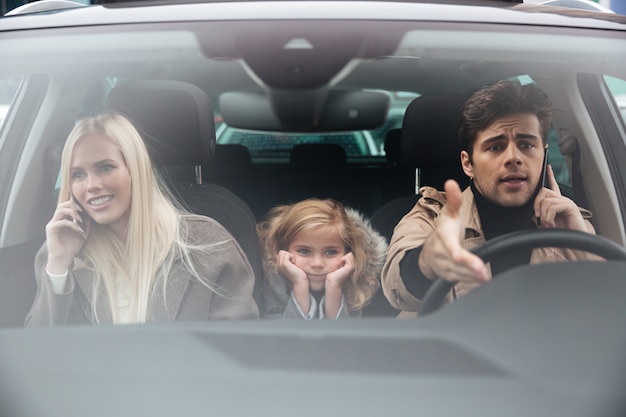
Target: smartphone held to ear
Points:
(542, 178)
(79, 223)
(544, 168)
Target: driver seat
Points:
(429, 150)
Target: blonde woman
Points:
(321, 260)
(119, 250)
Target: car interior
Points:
(178, 82)
(244, 108)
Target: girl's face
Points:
(318, 253)
(100, 182)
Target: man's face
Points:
(507, 159)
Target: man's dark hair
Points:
(498, 100)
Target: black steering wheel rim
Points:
(526, 240)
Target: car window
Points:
(618, 89)
(277, 145)
(8, 88)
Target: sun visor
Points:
(305, 111)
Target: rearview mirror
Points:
(318, 110)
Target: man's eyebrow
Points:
(526, 136)
(517, 136)
(494, 139)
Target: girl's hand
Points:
(344, 271)
(285, 264)
(333, 284)
(65, 236)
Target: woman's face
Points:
(100, 182)
(317, 252)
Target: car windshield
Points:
(245, 208)
(279, 145)
(266, 146)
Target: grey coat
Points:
(186, 298)
(278, 298)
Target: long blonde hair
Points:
(154, 234)
(283, 223)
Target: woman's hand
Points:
(65, 236)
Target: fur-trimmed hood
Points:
(277, 290)
(375, 245)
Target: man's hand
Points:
(554, 210)
(442, 255)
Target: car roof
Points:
(481, 11)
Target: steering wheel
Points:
(526, 240)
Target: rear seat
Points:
(318, 170)
(314, 170)
(231, 167)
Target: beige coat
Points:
(186, 298)
(416, 226)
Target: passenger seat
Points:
(176, 120)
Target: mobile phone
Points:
(542, 177)
(544, 168)
(79, 223)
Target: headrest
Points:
(230, 161)
(393, 141)
(318, 157)
(175, 119)
(430, 132)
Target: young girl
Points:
(118, 250)
(321, 260)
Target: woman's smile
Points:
(100, 181)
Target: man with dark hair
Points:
(503, 137)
